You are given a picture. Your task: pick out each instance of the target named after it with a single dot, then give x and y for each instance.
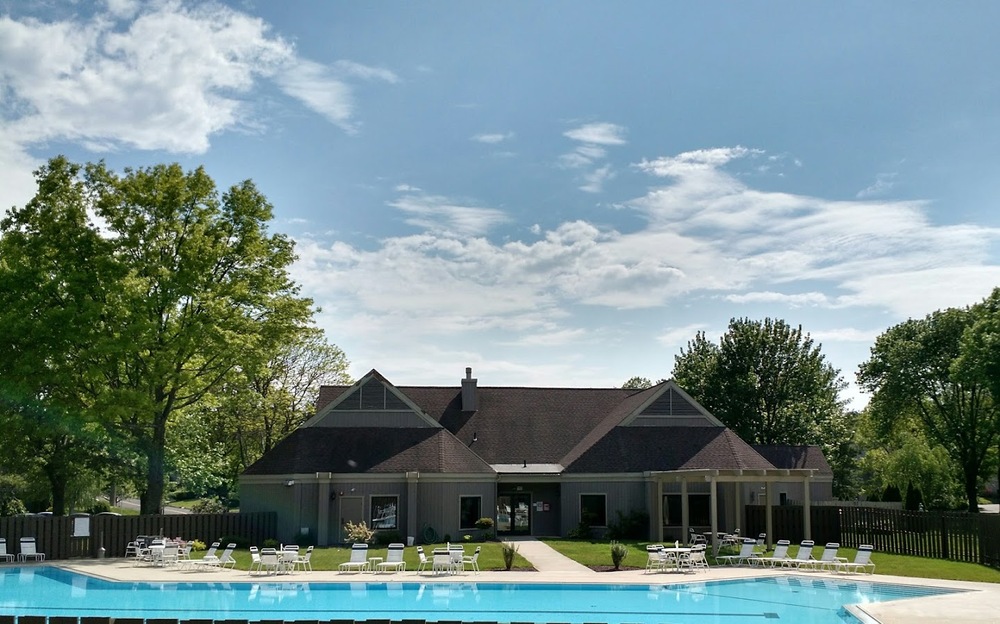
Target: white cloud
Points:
(493, 138)
(357, 70)
(884, 182)
(594, 180)
(817, 299)
(677, 337)
(846, 334)
(406, 188)
(598, 134)
(441, 215)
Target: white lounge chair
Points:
(29, 550)
(803, 557)
(4, 555)
(393, 559)
(746, 553)
(779, 555)
(358, 561)
(827, 560)
(212, 561)
(862, 561)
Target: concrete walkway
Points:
(546, 559)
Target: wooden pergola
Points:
(715, 476)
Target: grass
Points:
(597, 554)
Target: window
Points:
(471, 508)
(698, 510)
(593, 510)
(384, 512)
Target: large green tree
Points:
(918, 367)
(771, 384)
(765, 380)
(181, 286)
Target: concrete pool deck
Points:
(979, 603)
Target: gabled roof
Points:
(793, 456)
(369, 450)
(640, 449)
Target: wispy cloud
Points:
(493, 138)
(817, 299)
(441, 215)
(594, 138)
(884, 182)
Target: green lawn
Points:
(598, 554)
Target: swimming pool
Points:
(55, 592)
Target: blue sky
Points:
(554, 193)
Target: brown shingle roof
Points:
(368, 449)
(638, 449)
(791, 456)
(513, 424)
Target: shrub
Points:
(509, 550)
(270, 543)
(581, 532)
(447, 537)
(209, 506)
(618, 553)
(198, 545)
(239, 540)
(359, 533)
(484, 523)
(383, 538)
(99, 506)
(633, 526)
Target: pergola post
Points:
(713, 499)
(806, 508)
(323, 510)
(768, 517)
(659, 509)
(738, 509)
(685, 527)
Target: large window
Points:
(698, 510)
(384, 512)
(471, 508)
(593, 510)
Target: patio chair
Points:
(4, 555)
(696, 538)
(779, 555)
(358, 560)
(654, 557)
(393, 559)
(697, 558)
(303, 561)
(29, 550)
(441, 561)
(862, 561)
(827, 560)
(802, 557)
(269, 561)
(254, 560)
(169, 555)
(746, 553)
(473, 561)
(132, 549)
(423, 560)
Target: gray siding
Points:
(623, 496)
(296, 506)
(671, 421)
(438, 507)
(365, 491)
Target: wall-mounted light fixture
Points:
(333, 496)
(290, 483)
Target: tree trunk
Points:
(971, 491)
(151, 501)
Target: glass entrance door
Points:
(514, 514)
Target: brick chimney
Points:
(470, 402)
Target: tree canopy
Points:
(127, 299)
(936, 369)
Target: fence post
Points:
(944, 537)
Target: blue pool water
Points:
(52, 591)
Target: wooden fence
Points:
(956, 536)
(67, 537)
